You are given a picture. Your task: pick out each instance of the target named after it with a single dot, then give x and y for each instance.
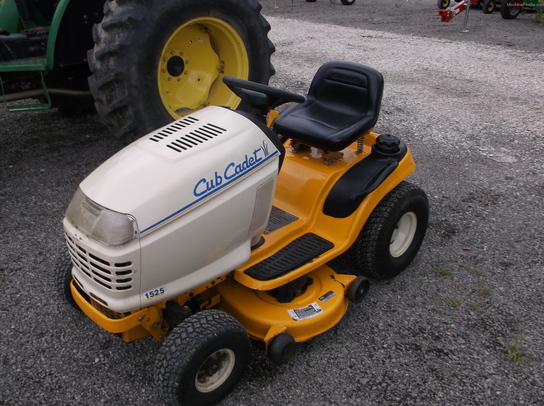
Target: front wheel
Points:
(157, 60)
(62, 277)
(393, 233)
(203, 359)
(488, 6)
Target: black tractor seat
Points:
(343, 103)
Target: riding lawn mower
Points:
(221, 227)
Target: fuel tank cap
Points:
(387, 144)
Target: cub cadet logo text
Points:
(232, 171)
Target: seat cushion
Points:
(343, 103)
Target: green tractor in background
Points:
(140, 64)
(510, 9)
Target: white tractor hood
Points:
(176, 168)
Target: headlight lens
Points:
(99, 223)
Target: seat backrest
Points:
(342, 104)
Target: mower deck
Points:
(319, 308)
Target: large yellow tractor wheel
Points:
(157, 61)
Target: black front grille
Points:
(114, 276)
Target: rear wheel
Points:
(392, 234)
(155, 61)
(510, 9)
(203, 359)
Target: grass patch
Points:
(474, 271)
(442, 271)
(3, 278)
(483, 290)
(516, 353)
(453, 301)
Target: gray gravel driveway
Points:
(463, 325)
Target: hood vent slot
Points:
(173, 128)
(196, 137)
(188, 139)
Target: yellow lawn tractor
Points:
(221, 227)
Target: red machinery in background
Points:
(510, 9)
(446, 12)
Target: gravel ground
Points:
(443, 332)
(418, 17)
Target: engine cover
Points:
(200, 190)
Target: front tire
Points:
(156, 61)
(62, 278)
(203, 359)
(488, 6)
(393, 233)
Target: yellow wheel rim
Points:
(193, 62)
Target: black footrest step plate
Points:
(299, 252)
(278, 219)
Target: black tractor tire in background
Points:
(507, 11)
(392, 235)
(158, 60)
(347, 2)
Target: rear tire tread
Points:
(115, 101)
(366, 255)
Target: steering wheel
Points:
(259, 95)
